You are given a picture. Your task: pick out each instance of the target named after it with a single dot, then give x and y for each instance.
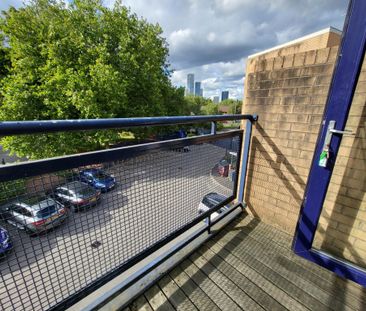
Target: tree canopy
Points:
(81, 60)
(78, 61)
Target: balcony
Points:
(148, 229)
(248, 265)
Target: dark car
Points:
(34, 214)
(98, 179)
(77, 195)
(175, 135)
(5, 242)
(211, 200)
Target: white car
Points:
(211, 200)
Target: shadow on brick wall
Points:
(338, 236)
(275, 165)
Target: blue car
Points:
(5, 243)
(98, 179)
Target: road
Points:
(157, 193)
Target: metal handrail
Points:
(45, 166)
(47, 126)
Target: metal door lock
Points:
(325, 154)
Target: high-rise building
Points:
(190, 84)
(197, 88)
(216, 99)
(224, 95)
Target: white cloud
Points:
(180, 37)
(211, 37)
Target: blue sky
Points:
(212, 38)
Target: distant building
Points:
(216, 99)
(224, 95)
(190, 84)
(197, 88)
(198, 91)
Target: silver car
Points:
(35, 214)
(77, 195)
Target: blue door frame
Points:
(347, 70)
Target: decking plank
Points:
(192, 290)
(269, 235)
(175, 295)
(140, 304)
(272, 289)
(157, 299)
(250, 265)
(276, 258)
(216, 294)
(257, 293)
(236, 293)
(243, 247)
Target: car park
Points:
(5, 242)
(77, 195)
(211, 200)
(34, 214)
(98, 179)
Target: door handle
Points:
(324, 156)
(345, 132)
(331, 130)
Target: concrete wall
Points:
(289, 94)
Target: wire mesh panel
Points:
(63, 230)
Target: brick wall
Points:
(342, 225)
(288, 91)
(289, 94)
(324, 39)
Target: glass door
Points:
(331, 229)
(341, 230)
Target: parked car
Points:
(175, 135)
(34, 214)
(77, 195)
(5, 243)
(223, 168)
(211, 200)
(98, 179)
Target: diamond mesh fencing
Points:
(62, 231)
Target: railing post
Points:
(213, 128)
(245, 158)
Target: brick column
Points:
(289, 94)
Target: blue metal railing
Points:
(48, 126)
(72, 163)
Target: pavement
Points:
(156, 194)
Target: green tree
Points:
(210, 108)
(81, 61)
(197, 105)
(5, 63)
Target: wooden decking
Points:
(250, 266)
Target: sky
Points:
(213, 38)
